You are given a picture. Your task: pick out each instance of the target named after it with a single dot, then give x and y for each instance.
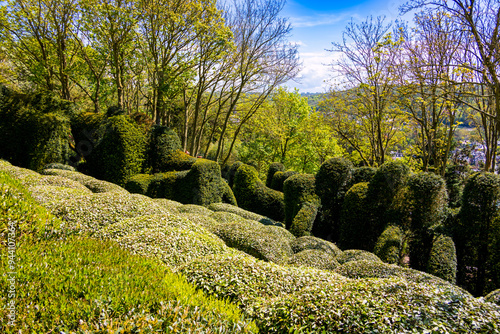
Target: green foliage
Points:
(85, 285)
(232, 172)
(90, 213)
(95, 185)
(389, 245)
(21, 218)
(331, 182)
(455, 180)
(162, 150)
(243, 213)
(119, 153)
(493, 297)
(302, 223)
(56, 165)
(427, 203)
(357, 255)
(34, 129)
(356, 226)
(253, 195)
(273, 168)
(139, 184)
(249, 236)
(297, 190)
(477, 233)
(314, 258)
(46, 194)
(193, 208)
(205, 221)
(310, 242)
(362, 174)
(170, 205)
(443, 259)
(279, 179)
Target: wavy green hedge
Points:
(95, 185)
(310, 242)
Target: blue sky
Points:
(318, 23)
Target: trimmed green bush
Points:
(243, 213)
(52, 180)
(139, 183)
(302, 223)
(232, 172)
(332, 180)
(477, 233)
(297, 190)
(193, 208)
(252, 195)
(46, 194)
(119, 153)
(363, 174)
(279, 179)
(309, 242)
(427, 206)
(90, 286)
(443, 259)
(56, 165)
(205, 221)
(389, 245)
(34, 128)
(95, 185)
(163, 142)
(273, 168)
(90, 213)
(493, 297)
(356, 225)
(170, 205)
(357, 255)
(260, 241)
(455, 176)
(314, 258)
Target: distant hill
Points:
(313, 98)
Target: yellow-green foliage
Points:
(443, 259)
(46, 194)
(273, 168)
(89, 213)
(193, 208)
(164, 151)
(389, 244)
(207, 222)
(267, 243)
(170, 205)
(314, 258)
(225, 207)
(297, 190)
(302, 223)
(95, 185)
(356, 255)
(493, 297)
(310, 242)
(139, 183)
(279, 179)
(90, 286)
(252, 195)
(20, 216)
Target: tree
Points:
(427, 71)
(368, 121)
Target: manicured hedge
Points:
(279, 179)
(46, 194)
(297, 190)
(89, 213)
(232, 172)
(303, 222)
(162, 143)
(252, 195)
(90, 286)
(332, 180)
(193, 208)
(207, 222)
(170, 205)
(243, 213)
(261, 241)
(273, 168)
(139, 183)
(443, 259)
(34, 128)
(314, 258)
(362, 174)
(493, 297)
(119, 152)
(310, 242)
(357, 255)
(95, 185)
(389, 245)
(56, 165)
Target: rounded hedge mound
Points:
(46, 194)
(255, 239)
(357, 255)
(162, 143)
(314, 258)
(303, 222)
(90, 213)
(273, 168)
(443, 259)
(279, 179)
(56, 165)
(493, 297)
(95, 185)
(57, 181)
(297, 190)
(193, 208)
(251, 194)
(205, 221)
(225, 207)
(139, 183)
(389, 244)
(310, 242)
(363, 174)
(168, 204)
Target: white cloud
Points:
(317, 20)
(315, 72)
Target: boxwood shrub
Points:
(389, 245)
(251, 194)
(362, 174)
(303, 222)
(171, 206)
(443, 258)
(273, 168)
(162, 143)
(314, 258)
(310, 242)
(231, 172)
(46, 194)
(356, 255)
(225, 207)
(139, 183)
(297, 190)
(193, 208)
(279, 179)
(493, 297)
(95, 185)
(86, 285)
